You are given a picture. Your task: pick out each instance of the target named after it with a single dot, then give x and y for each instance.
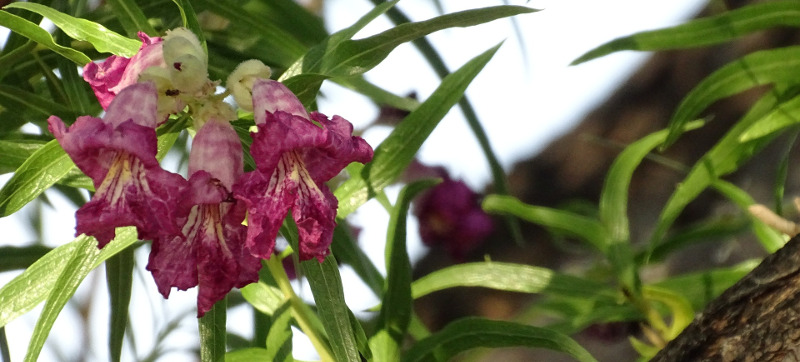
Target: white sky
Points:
(522, 107)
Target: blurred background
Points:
(555, 129)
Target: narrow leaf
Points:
(85, 258)
(213, 332)
(326, 285)
(15, 152)
(396, 310)
(279, 339)
(706, 31)
(119, 278)
(509, 277)
(21, 257)
(585, 228)
(397, 151)
(104, 40)
(755, 69)
(36, 33)
(131, 17)
(248, 355)
(468, 333)
(784, 116)
(40, 171)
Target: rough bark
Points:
(757, 319)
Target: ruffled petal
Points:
(270, 96)
(339, 149)
(314, 212)
(268, 197)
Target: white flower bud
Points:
(240, 82)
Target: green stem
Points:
(298, 312)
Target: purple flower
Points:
(209, 252)
(118, 154)
(108, 78)
(450, 217)
(295, 155)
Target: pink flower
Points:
(295, 155)
(108, 78)
(118, 154)
(450, 217)
(209, 252)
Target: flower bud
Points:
(186, 60)
(240, 82)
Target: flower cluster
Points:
(210, 229)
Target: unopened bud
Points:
(240, 82)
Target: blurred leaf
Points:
(705, 231)
(705, 31)
(77, 90)
(700, 288)
(131, 17)
(248, 355)
(755, 69)
(770, 239)
(265, 298)
(681, 311)
(347, 251)
(394, 154)
(509, 277)
(34, 32)
(585, 228)
(15, 152)
(279, 339)
(213, 332)
(20, 101)
(782, 117)
(285, 47)
(41, 170)
(613, 207)
(60, 288)
(723, 158)
(119, 279)
(104, 40)
(21, 257)
(396, 310)
(467, 333)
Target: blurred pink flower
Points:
(450, 217)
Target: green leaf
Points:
(585, 228)
(190, 21)
(263, 297)
(706, 31)
(725, 157)
(700, 288)
(119, 278)
(279, 339)
(468, 333)
(782, 117)
(396, 309)
(213, 333)
(21, 257)
(36, 33)
(347, 251)
(20, 100)
(15, 152)
(40, 171)
(770, 239)
(396, 152)
(131, 17)
(84, 258)
(755, 69)
(248, 355)
(326, 286)
(353, 57)
(613, 207)
(509, 277)
(104, 40)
